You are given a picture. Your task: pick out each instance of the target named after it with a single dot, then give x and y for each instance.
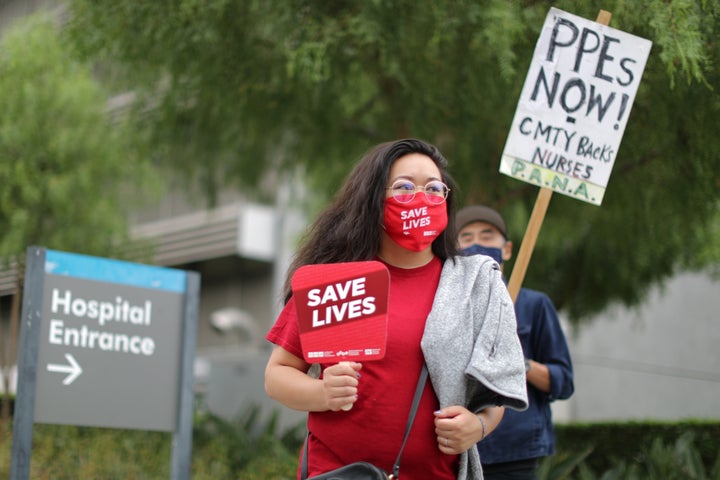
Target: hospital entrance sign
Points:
(109, 347)
(105, 343)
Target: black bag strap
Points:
(411, 418)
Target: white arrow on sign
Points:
(73, 370)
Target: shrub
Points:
(660, 459)
(247, 448)
(612, 442)
(253, 448)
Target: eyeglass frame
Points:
(446, 191)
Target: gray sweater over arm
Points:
(471, 346)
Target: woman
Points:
(451, 312)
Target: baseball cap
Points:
(480, 213)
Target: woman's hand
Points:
(340, 384)
(287, 381)
(458, 429)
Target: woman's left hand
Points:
(457, 429)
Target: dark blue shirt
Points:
(530, 434)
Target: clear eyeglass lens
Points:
(404, 191)
(435, 192)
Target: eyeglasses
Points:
(404, 191)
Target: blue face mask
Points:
(475, 249)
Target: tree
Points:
(69, 174)
(234, 90)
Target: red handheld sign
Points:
(342, 311)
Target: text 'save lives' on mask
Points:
(342, 311)
(416, 224)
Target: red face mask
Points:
(416, 224)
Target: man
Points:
(522, 438)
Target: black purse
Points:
(365, 470)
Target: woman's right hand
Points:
(340, 384)
(288, 382)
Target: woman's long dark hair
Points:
(349, 229)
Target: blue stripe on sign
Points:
(115, 271)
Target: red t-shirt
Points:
(373, 429)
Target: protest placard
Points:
(574, 106)
(342, 311)
(571, 115)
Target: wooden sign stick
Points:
(536, 218)
(526, 248)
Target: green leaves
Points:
(230, 92)
(683, 29)
(64, 165)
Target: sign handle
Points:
(603, 17)
(528, 243)
(537, 217)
